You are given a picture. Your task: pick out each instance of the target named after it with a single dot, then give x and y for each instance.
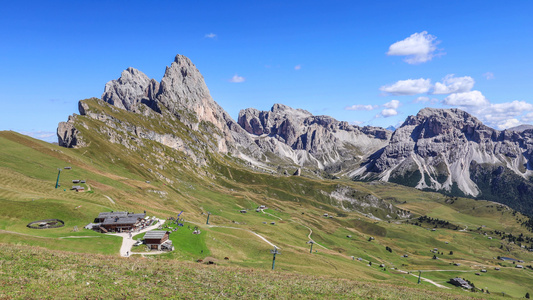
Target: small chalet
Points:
(76, 181)
(460, 282)
(78, 188)
(119, 221)
(158, 239)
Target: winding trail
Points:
(425, 279)
(109, 198)
(24, 234)
(229, 227)
(272, 215)
(310, 233)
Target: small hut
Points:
(156, 238)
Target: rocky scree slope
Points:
(450, 150)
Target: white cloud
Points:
(237, 79)
(388, 112)
(528, 118)
(408, 87)
(497, 115)
(488, 75)
(508, 124)
(390, 109)
(451, 84)
(504, 115)
(211, 35)
(357, 123)
(514, 108)
(361, 107)
(297, 67)
(419, 48)
(472, 98)
(47, 136)
(392, 104)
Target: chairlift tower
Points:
(57, 181)
(311, 250)
(208, 214)
(274, 252)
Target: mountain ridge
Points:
(438, 149)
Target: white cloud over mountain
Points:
(237, 79)
(498, 115)
(388, 112)
(362, 107)
(408, 87)
(451, 84)
(418, 48)
(472, 98)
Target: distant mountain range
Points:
(447, 150)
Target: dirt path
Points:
(127, 241)
(310, 233)
(78, 237)
(24, 234)
(272, 215)
(427, 280)
(109, 198)
(252, 232)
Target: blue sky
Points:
(365, 62)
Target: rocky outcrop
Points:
(318, 141)
(130, 90)
(436, 148)
(68, 136)
(367, 204)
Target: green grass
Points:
(30, 272)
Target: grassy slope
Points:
(28, 170)
(61, 274)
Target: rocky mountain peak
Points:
(454, 123)
(447, 149)
(131, 89)
(286, 110)
(320, 141)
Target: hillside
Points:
(223, 187)
(96, 276)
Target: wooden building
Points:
(158, 239)
(119, 221)
(78, 188)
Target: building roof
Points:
(120, 221)
(120, 214)
(155, 234)
(112, 214)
